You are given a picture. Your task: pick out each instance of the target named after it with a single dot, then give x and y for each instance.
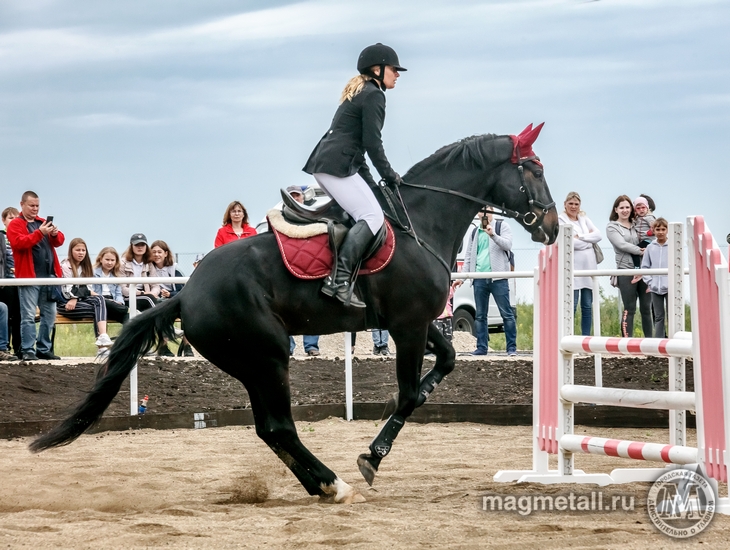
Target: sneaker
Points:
(188, 351)
(47, 355)
(29, 356)
(5, 356)
(103, 341)
(478, 352)
(179, 333)
(384, 350)
(512, 354)
(313, 353)
(376, 350)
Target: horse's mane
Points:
(467, 151)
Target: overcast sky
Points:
(152, 116)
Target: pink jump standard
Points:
(709, 345)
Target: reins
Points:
(528, 218)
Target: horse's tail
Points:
(137, 337)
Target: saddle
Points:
(308, 239)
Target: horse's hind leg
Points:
(268, 388)
(445, 362)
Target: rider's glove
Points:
(395, 181)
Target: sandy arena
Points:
(223, 488)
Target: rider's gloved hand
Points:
(395, 181)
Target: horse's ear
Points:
(525, 131)
(528, 137)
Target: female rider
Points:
(338, 161)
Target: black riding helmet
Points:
(378, 54)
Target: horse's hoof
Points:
(342, 493)
(390, 407)
(367, 468)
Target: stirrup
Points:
(344, 292)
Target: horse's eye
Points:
(538, 173)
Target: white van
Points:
(464, 304)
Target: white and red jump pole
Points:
(555, 394)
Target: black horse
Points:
(241, 303)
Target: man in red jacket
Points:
(33, 241)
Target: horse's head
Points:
(523, 191)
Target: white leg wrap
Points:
(344, 493)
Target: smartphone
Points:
(49, 219)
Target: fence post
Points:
(133, 411)
(675, 324)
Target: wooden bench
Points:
(62, 320)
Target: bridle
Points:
(528, 218)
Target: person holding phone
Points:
(34, 241)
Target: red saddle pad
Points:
(311, 258)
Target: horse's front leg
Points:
(410, 345)
(445, 362)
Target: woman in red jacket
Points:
(235, 225)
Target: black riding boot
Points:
(349, 255)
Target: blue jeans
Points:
(586, 309)
(380, 338)
(4, 343)
(310, 343)
(483, 288)
(30, 298)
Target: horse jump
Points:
(708, 345)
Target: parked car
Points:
(464, 304)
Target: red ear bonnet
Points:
(522, 143)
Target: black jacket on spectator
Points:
(355, 130)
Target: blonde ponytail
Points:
(354, 87)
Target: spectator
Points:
(107, 265)
(34, 241)
(311, 343)
(643, 222)
(585, 235)
(235, 225)
(625, 240)
(380, 342)
(164, 266)
(137, 262)
(657, 256)
(80, 301)
(488, 250)
(5, 354)
(9, 294)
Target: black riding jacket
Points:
(355, 130)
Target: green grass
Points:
(78, 340)
(610, 324)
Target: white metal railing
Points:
(133, 390)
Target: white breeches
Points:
(355, 197)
